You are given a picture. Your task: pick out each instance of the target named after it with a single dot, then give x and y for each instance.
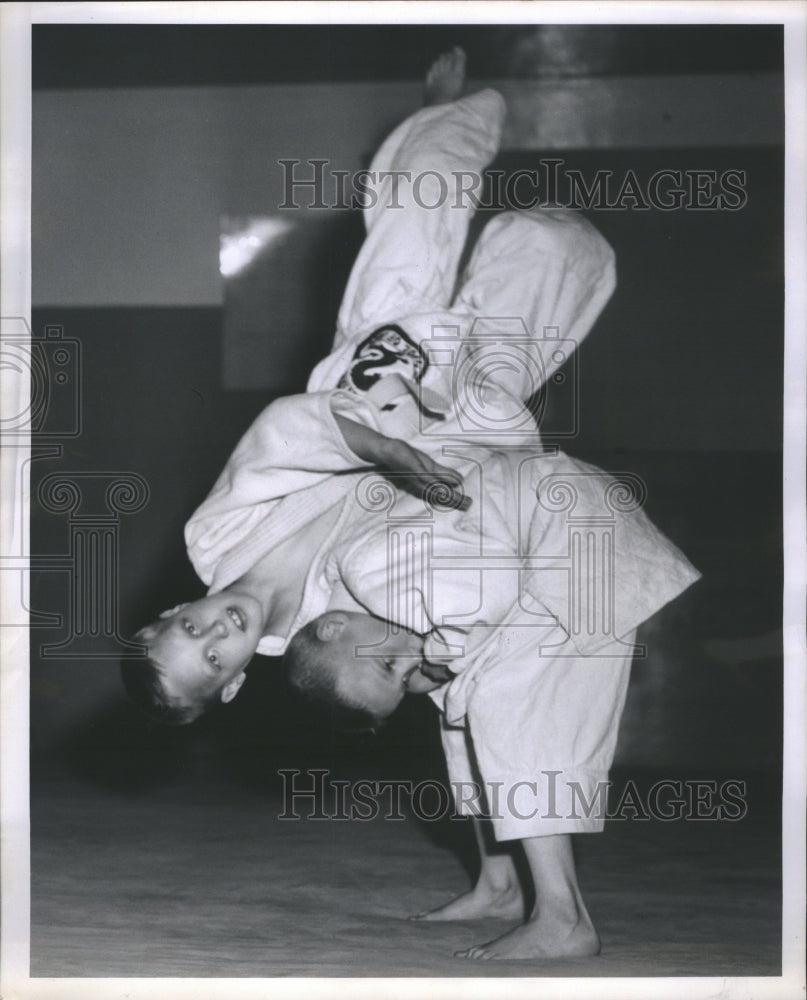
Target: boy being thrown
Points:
(253, 540)
(279, 529)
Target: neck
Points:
(277, 580)
(264, 589)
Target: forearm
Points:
(368, 444)
(413, 470)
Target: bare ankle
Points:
(500, 883)
(561, 911)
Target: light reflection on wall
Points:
(244, 240)
(555, 50)
(283, 280)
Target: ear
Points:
(231, 689)
(331, 625)
(173, 611)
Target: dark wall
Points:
(191, 55)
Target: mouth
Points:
(417, 681)
(238, 618)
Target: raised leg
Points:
(416, 224)
(536, 282)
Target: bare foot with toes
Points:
(446, 77)
(482, 902)
(544, 936)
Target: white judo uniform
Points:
(534, 594)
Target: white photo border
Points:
(16, 20)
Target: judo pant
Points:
(540, 729)
(538, 737)
(536, 279)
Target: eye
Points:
(189, 626)
(389, 664)
(213, 658)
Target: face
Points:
(377, 677)
(204, 646)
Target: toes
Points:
(458, 60)
(477, 952)
(448, 62)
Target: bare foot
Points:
(445, 78)
(484, 900)
(541, 937)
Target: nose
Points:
(219, 628)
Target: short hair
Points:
(306, 663)
(142, 681)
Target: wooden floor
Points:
(198, 877)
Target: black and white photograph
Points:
(403, 537)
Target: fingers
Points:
(443, 486)
(463, 501)
(445, 489)
(452, 480)
(438, 492)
